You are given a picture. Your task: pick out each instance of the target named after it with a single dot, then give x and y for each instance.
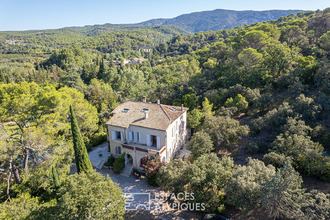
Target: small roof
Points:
(159, 116)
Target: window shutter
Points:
(113, 135)
(148, 140)
(158, 142)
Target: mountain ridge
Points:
(211, 20)
(218, 19)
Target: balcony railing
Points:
(143, 148)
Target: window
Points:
(116, 135)
(125, 110)
(118, 150)
(173, 109)
(138, 137)
(131, 136)
(145, 110)
(153, 141)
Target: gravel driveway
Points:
(141, 196)
(137, 189)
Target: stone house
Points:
(142, 128)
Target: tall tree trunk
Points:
(16, 173)
(8, 179)
(26, 160)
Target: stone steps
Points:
(127, 170)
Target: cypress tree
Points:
(55, 178)
(82, 160)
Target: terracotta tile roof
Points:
(159, 116)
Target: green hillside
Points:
(105, 38)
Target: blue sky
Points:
(47, 14)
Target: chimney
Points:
(181, 107)
(158, 101)
(145, 115)
(144, 99)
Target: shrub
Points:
(244, 187)
(200, 143)
(282, 197)
(151, 166)
(110, 161)
(314, 164)
(206, 178)
(96, 139)
(225, 130)
(274, 120)
(249, 94)
(226, 111)
(89, 196)
(239, 102)
(119, 163)
(263, 147)
(296, 88)
(252, 148)
(296, 126)
(277, 160)
(263, 102)
(325, 139)
(295, 145)
(307, 107)
(324, 101)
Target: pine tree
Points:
(82, 160)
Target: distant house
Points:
(117, 62)
(141, 128)
(146, 49)
(127, 62)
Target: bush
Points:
(325, 139)
(314, 164)
(225, 130)
(223, 111)
(249, 94)
(263, 102)
(244, 187)
(307, 107)
(252, 148)
(200, 143)
(277, 160)
(119, 163)
(96, 139)
(274, 120)
(239, 102)
(151, 166)
(110, 161)
(295, 145)
(263, 147)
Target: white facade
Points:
(138, 141)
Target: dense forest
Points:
(259, 109)
(104, 38)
